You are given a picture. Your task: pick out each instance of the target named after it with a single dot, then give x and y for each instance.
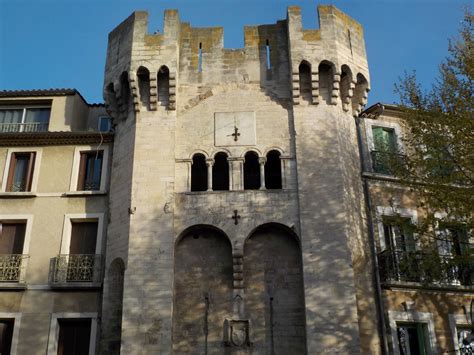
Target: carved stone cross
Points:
(236, 217)
(236, 134)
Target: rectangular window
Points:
(20, 173)
(34, 119)
(413, 339)
(12, 239)
(104, 124)
(455, 254)
(465, 340)
(90, 171)
(81, 261)
(74, 336)
(385, 148)
(6, 335)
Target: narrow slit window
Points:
(200, 58)
(163, 86)
(267, 49)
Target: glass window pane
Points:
(104, 124)
(20, 174)
(37, 115)
(93, 171)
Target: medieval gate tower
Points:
(236, 210)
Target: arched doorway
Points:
(202, 290)
(274, 293)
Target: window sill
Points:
(234, 191)
(17, 194)
(416, 285)
(19, 286)
(84, 193)
(75, 285)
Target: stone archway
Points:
(202, 290)
(274, 292)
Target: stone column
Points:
(262, 161)
(210, 164)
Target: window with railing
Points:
(25, 119)
(12, 260)
(82, 264)
(450, 262)
(90, 170)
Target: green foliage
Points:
(438, 161)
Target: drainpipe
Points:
(368, 205)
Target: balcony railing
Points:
(72, 269)
(12, 267)
(23, 127)
(426, 268)
(387, 163)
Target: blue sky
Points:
(62, 43)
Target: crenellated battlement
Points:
(326, 65)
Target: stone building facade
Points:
(232, 199)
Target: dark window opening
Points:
(251, 172)
(267, 51)
(74, 336)
(6, 335)
(12, 237)
(305, 81)
(83, 238)
(360, 93)
(200, 58)
(125, 87)
(220, 172)
(199, 173)
(346, 79)
(163, 86)
(143, 76)
(90, 171)
(325, 82)
(20, 174)
(412, 338)
(273, 170)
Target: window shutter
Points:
(82, 172)
(11, 171)
(29, 174)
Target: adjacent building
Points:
(221, 201)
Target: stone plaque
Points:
(234, 129)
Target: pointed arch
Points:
(125, 92)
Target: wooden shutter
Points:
(29, 174)
(83, 238)
(82, 172)
(11, 171)
(6, 335)
(12, 237)
(74, 336)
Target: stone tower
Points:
(236, 221)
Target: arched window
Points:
(251, 171)
(360, 93)
(199, 173)
(346, 79)
(220, 172)
(305, 81)
(111, 99)
(325, 81)
(273, 170)
(163, 86)
(125, 94)
(143, 76)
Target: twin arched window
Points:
(163, 86)
(258, 173)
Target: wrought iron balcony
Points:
(386, 162)
(23, 127)
(426, 268)
(12, 267)
(74, 269)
